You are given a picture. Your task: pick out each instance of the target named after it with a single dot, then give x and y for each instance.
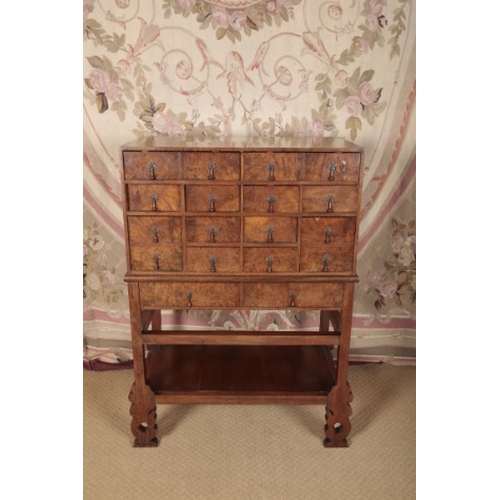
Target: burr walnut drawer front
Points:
(290, 295)
(327, 259)
(214, 198)
(152, 165)
(144, 230)
(154, 198)
(156, 257)
(337, 168)
(212, 166)
(270, 260)
(206, 229)
(330, 199)
(157, 295)
(271, 166)
(271, 199)
(270, 229)
(214, 259)
(328, 231)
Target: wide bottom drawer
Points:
(217, 295)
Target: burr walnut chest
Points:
(241, 223)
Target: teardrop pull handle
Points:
(212, 231)
(213, 261)
(325, 260)
(155, 230)
(152, 168)
(329, 203)
(271, 167)
(269, 262)
(271, 200)
(212, 199)
(331, 169)
(328, 233)
(189, 296)
(293, 296)
(154, 199)
(156, 258)
(211, 170)
(270, 231)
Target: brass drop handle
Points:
(328, 233)
(271, 167)
(213, 261)
(270, 231)
(213, 232)
(189, 296)
(155, 230)
(212, 199)
(331, 169)
(156, 258)
(271, 200)
(293, 296)
(211, 170)
(325, 260)
(329, 203)
(152, 168)
(154, 199)
(269, 261)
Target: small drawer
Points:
(338, 259)
(212, 198)
(270, 199)
(216, 166)
(213, 260)
(165, 258)
(336, 168)
(292, 295)
(142, 165)
(154, 198)
(328, 231)
(331, 199)
(270, 260)
(270, 230)
(213, 229)
(188, 295)
(154, 229)
(272, 166)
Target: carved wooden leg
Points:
(338, 410)
(143, 411)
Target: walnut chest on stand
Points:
(241, 223)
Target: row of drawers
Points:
(269, 244)
(232, 198)
(181, 295)
(335, 167)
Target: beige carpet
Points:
(253, 452)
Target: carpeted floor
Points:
(253, 452)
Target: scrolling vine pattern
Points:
(222, 92)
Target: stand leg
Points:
(338, 408)
(143, 407)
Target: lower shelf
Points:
(234, 374)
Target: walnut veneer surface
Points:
(241, 223)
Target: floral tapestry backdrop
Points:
(254, 67)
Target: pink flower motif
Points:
(101, 83)
(164, 125)
(374, 7)
(366, 93)
(372, 22)
(342, 77)
(109, 278)
(353, 105)
(388, 289)
(220, 17)
(186, 4)
(238, 20)
(123, 67)
(96, 242)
